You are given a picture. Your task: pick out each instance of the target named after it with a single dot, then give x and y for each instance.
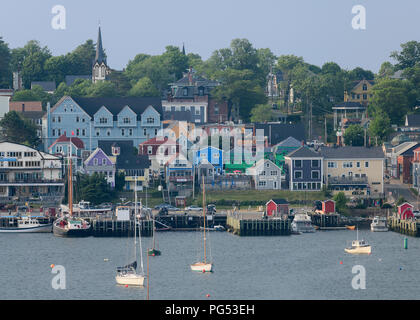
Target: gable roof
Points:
(410, 151)
(349, 152)
(158, 141)
(281, 131)
(279, 201)
(185, 115)
(77, 142)
(412, 120)
(94, 153)
(303, 152)
(289, 142)
(46, 85)
(126, 159)
(116, 104)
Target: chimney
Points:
(190, 76)
(23, 107)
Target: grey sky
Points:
(318, 30)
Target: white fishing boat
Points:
(378, 224)
(27, 224)
(128, 275)
(204, 265)
(359, 246)
(302, 223)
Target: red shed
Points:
(405, 211)
(276, 207)
(328, 206)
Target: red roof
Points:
(75, 140)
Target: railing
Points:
(31, 181)
(180, 178)
(347, 180)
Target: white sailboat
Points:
(128, 275)
(359, 246)
(203, 266)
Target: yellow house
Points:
(361, 92)
(356, 171)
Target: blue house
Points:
(134, 119)
(211, 155)
(304, 169)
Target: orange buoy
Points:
(52, 266)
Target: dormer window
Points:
(201, 91)
(185, 92)
(115, 151)
(126, 120)
(103, 120)
(364, 87)
(150, 120)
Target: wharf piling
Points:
(188, 222)
(408, 227)
(116, 228)
(258, 227)
(331, 220)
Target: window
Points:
(273, 173)
(103, 161)
(103, 120)
(150, 120)
(77, 119)
(126, 120)
(77, 132)
(58, 119)
(59, 132)
(358, 96)
(365, 97)
(130, 132)
(367, 164)
(298, 174)
(262, 183)
(144, 132)
(149, 150)
(95, 162)
(347, 164)
(97, 133)
(108, 133)
(315, 163)
(332, 164)
(358, 164)
(156, 131)
(201, 91)
(315, 174)
(185, 91)
(53, 132)
(53, 119)
(122, 132)
(298, 163)
(364, 87)
(83, 132)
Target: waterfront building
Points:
(26, 172)
(126, 161)
(277, 207)
(100, 163)
(211, 155)
(63, 146)
(304, 169)
(356, 171)
(266, 175)
(179, 174)
(134, 119)
(159, 150)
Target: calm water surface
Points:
(290, 267)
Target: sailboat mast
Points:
(135, 218)
(204, 215)
(70, 186)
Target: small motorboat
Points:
(350, 227)
(359, 246)
(378, 224)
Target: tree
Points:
(261, 113)
(144, 88)
(386, 70)
(102, 89)
(340, 201)
(380, 126)
(393, 97)
(409, 55)
(18, 130)
(354, 136)
(5, 57)
(119, 181)
(93, 188)
(35, 94)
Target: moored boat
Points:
(359, 246)
(26, 225)
(378, 224)
(302, 224)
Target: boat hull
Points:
(378, 229)
(130, 279)
(359, 250)
(202, 267)
(76, 233)
(153, 252)
(45, 228)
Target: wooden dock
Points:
(188, 222)
(243, 226)
(326, 221)
(115, 228)
(407, 227)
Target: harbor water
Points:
(307, 266)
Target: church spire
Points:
(183, 48)
(100, 54)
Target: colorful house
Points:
(405, 211)
(212, 155)
(99, 162)
(277, 207)
(63, 146)
(328, 206)
(179, 174)
(266, 175)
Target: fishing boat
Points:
(204, 265)
(350, 227)
(359, 246)
(302, 224)
(26, 224)
(128, 275)
(153, 251)
(378, 224)
(68, 225)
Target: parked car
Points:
(193, 208)
(211, 209)
(167, 206)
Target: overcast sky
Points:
(319, 30)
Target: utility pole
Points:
(325, 127)
(365, 138)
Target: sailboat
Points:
(128, 275)
(153, 251)
(68, 225)
(203, 266)
(359, 246)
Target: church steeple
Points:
(183, 48)
(100, 69)
(100, 54)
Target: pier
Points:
(188, 222)
(329, 221)
(408, 227)
(254, 226)
(116, 228)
